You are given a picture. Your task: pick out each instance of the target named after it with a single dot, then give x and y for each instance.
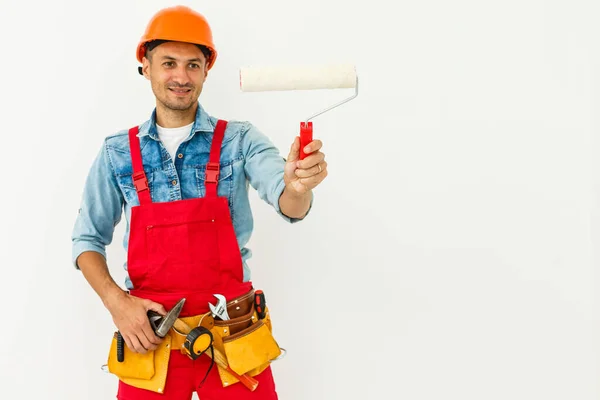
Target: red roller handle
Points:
(306, 136)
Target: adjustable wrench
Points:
(220, 310)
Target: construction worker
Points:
(181, 178)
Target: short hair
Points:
(154, 43)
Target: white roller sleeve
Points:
(261, 79)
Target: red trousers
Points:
(185, 377)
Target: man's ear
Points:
(205, 72)
(146, 68)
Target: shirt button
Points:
(174, 182)
(179, 155)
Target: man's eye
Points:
(195, 65)
(168, 64)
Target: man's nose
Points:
(180, 76)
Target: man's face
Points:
(177, 72)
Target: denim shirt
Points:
(248, 157)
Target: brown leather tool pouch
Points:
(246, 341)
(146, 371)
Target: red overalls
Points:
(187, 248)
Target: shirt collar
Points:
(202, 123)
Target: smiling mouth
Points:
(180, 91)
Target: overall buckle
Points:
(140, 181)
(212, 172)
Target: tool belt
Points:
(246, 341)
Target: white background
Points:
(450, 253)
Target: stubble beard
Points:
(175, 105)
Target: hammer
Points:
(159, 323)
(162, 324)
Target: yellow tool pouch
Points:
(251, 348)
(145, 371)
(246, 341)
(149, 371)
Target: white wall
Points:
(449, 254)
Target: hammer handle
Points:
(245, 379)
(120, 347)
(220, 359)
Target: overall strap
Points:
(212, 167)
(139, 176)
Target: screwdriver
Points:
(259, 304)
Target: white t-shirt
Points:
(172, 137)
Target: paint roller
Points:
(305, 77)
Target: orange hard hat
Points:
(179, 24)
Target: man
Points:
(181, 179)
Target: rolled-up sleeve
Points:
(264, 169)
(100, 209)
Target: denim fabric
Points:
(248, 157)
